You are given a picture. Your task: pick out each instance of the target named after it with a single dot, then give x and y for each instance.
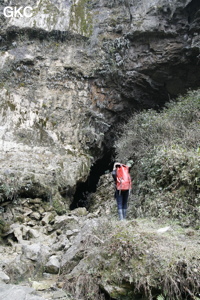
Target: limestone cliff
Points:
(72, 71)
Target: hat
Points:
(129, 163)
(116, 164)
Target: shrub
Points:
(165, 148)
(131, 260)
(3, 227)
(9, 186)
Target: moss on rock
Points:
(81, 18)
(165, 148)
(133, 260)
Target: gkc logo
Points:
(20, 12)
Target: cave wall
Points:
(49, 130)
(152, 50)
(70, 74)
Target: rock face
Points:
(53, 265)
(74, 69)
(17, 292)
(35, 246)
(69, 74)
(36, 252)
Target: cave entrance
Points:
(83, 189)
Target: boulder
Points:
(40, 286)
(77, 246)
(36, 216)
(31, 223)
(18, 231)
(33, 233)
(115, 292)
(17, 292)
(27, 211)
(48, 217)
(53, 265)
(3, 277)
(36, 252)
(61, 243)
(60, 295)
(69, 233)
(80, 211)
(61, 221)
(31, 252)
(35, 201)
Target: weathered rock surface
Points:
(4, 278)
(73, 253)
(68, 71)
(17, 292)
(38, 246)
(53, 265)
(68, 75)
(76, 250)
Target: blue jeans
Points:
(122, 199)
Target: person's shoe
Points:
(120, 213)
(124, 213)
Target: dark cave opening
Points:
(83, 189)
(193, 10)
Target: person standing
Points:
(122, 178)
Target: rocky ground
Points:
(69, 77)
(49, 256)
(33, 247)
(37, 243)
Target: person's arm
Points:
(114, 171)
(114, 175)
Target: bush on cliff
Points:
(4, 226)
(165, 148)
(134, 260)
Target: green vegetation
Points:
(51, 11)
(142, 262)
(9, 186)
(22, 84)
(165, 148)
(59, 207)
(11, 105)
(3, 227)
(132, 260)
(81, 18)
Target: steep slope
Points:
(166, 153)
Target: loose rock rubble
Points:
(33, 251)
